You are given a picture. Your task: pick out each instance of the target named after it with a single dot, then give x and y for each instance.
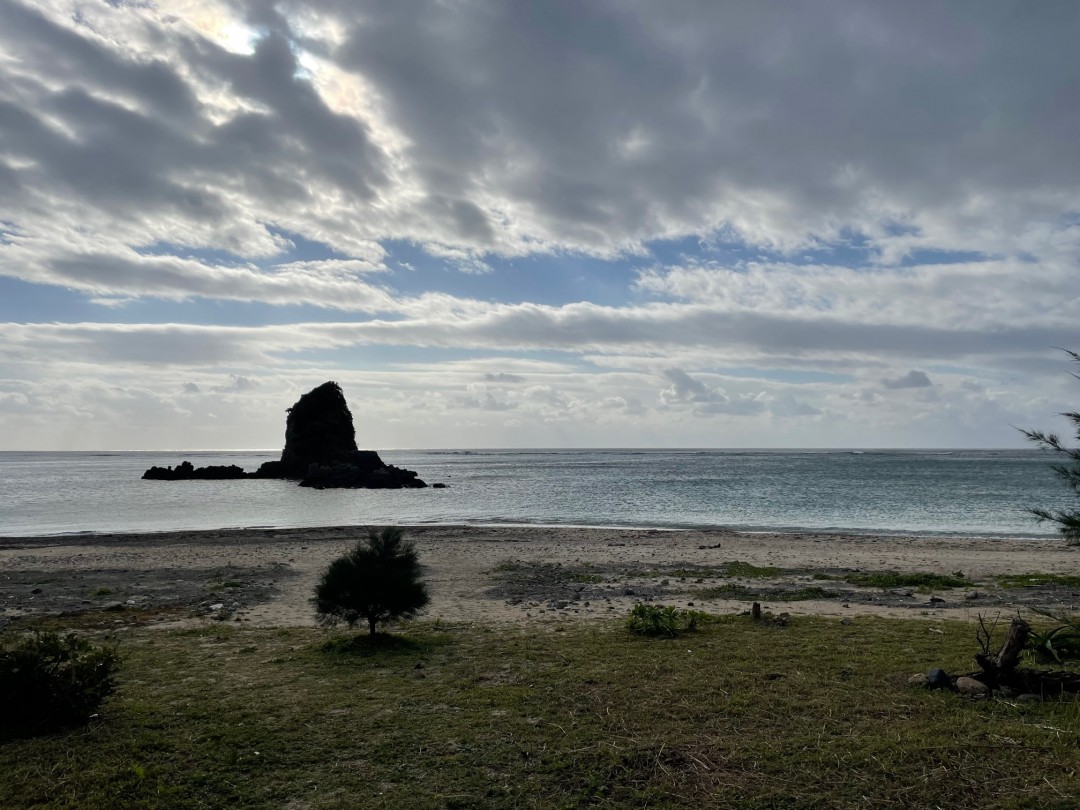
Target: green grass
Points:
(737, 568)
(1040, 580)
(745, 594)
(816, 715)
(586, 578)
(892, 579)
(693, 573)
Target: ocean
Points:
(933, 492)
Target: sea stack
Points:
(320, 451)
(318, 430)
(320, 448)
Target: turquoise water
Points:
(981, 492)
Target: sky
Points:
(615, 223)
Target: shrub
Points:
(1058, 644)
(1068, 520)
(378, 581)
(892, 579)
(655, 620)
(49, 681)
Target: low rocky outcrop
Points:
(186, 471)
(320, 451)
(363, 470)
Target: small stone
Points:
(971, 595)
(845, 604)
(845, 621)
(918, 679)
(1029, 697)
(935, 600)
(628, 591)
(689, 604)
(218, 606)
(971, 687)
(938, 679)
(35, 591)
(114, 606)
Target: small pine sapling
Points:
(378, 581)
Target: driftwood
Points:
(1000, 666)
(1000, 670)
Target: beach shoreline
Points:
(524, 573)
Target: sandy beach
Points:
(510, 574)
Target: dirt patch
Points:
(219, 592)
(562, 587)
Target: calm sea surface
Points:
(982, 492)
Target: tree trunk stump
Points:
(1007, 657)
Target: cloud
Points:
(482, 398)
(707, 401)
(237, 385)
(685, 388)
(511, 131)
(775, 204)
(630, 406)
(913, 379)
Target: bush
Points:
(48, 681)
(1068, 520)
(1057, 644)
(654, 620)
(378, 581)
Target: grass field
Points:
(813, 715)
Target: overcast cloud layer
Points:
(831, 223)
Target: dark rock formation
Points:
(185, 471)
(318, 430)
(364, 469)
(320, 451)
